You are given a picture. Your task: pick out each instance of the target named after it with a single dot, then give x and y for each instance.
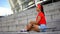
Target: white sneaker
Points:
(23, 31)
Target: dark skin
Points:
(33, 25)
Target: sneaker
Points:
(23, 31)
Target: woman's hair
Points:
(42, 9)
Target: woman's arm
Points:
(38, 19)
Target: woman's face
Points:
(37, 9)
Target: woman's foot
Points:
(23, 30)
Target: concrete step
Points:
(31, 33)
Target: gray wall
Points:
(17, 21)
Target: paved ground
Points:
(31, 33)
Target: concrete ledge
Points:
(31, 33)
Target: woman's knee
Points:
(35, 26)
(31, 22)
(29, 25)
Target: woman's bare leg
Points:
(29, 26)
(35, 28)
(32, 26)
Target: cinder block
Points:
(28, 12)
(9, 24)
(5, 29)
(31, 16)
(56, 17)
(3, 24)
(48, 18)
(21, 18)
(24, 17)
(12, 28)
(23, 22)
(52, 12)
(51, 24)
(0, 24)
(35, 14)
(31, 19)
(57, 23)
(20, 27)
(0, 29)
(48, 7)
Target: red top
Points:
(42, 20)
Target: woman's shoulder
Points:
(41, 13)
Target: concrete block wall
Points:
(52, 13)
(17, 21)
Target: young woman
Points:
(40, 22)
